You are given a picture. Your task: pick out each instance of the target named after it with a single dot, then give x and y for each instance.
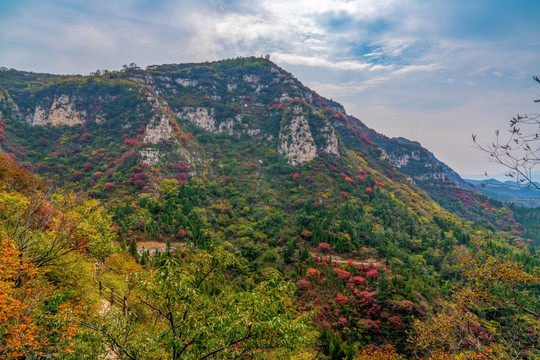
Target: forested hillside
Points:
(224, 210)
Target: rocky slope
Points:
(166, 114)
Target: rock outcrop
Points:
(61, 112)
(201, 117)
(296, 142)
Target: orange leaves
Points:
(35, 318)
(16, 178)
(20, 290)
(386, 352)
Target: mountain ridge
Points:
(239, 154)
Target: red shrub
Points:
(139, 184)
(358, 280)
(372, 274)
(324, 247)
(342, 274)
(395, 321)
(342, 322)
(341, 300)
(303, 285)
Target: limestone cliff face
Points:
(402, 160)
(296, 142)
(201, 117)
(205, 119)
(158, 129)
(412, 159)
(61, 112)
(331, 140)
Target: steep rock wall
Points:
(296, 142)
(61, 112)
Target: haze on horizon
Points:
(430, 71)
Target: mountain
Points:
(239, 153)
(508, 191)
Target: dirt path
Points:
(341, 260)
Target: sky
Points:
(433, 71)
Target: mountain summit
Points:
(239, 158)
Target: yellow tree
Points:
(462, 329)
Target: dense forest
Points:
(224, 210)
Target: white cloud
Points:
(416, 68)
(317, 61)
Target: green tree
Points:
(190, 310)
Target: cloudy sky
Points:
(434, 71)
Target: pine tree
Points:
(133, 249)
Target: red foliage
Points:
(303, 285)
(182, 167)
(395, 321)
(341, 300)
(181, 176)
(372, 274)
(342, 274)
(374, 326)
(374, 311)
(98, 174)
(109, 186)
(349, 180)
(369, 190)
(296, 176)
(139, 184)
(358, 280)
(84, 137)
(87, 166)
(342, 322)
(324, 247)
(54, 153)
(340, 117)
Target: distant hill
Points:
(508, 191)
